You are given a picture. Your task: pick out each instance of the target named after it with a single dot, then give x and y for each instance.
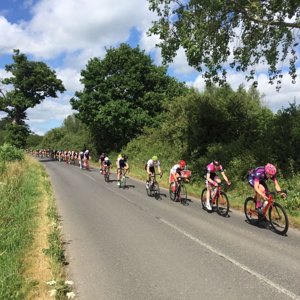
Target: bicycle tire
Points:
(171, 193)
(203, 199)
(106, 177)
(222, 204)
(278, 218)
(182, 194)
(148, 190)
(250, 210)
(155, 191)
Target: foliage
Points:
(242, 33)
(72, 135)
(10, 153)
(31, 83)
(122, 93)
(33, 141)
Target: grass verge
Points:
(26, 210)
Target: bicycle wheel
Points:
(222, 204)
(106, 177)
(203, 199)
(171, 192)
(148, 190)
(250, 210)
(123, 182)
(182, 194)
(155, 191)
(278, 218)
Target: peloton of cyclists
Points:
(212, 179)
(257, 179)
(150, 168)
(122, 166)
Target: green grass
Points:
(19, 197)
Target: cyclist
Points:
(150, 168)
(107, 164)
(101, 160)
(175, 172)
(257, 179)
(122, 166)
(212, 179)
(86, 158)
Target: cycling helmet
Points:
(106, 159)
(154, 157)
(270, 169)
(182, 163)
(120, 156)
(216, 162)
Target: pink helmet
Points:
(270, 169)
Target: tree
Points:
(32, 82)
(240, 33)
(122, 93)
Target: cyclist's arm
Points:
(278, 189)
(159, 170)
(148, 169)
(225, 177)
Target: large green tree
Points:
(31, 82)
(240, 33)
(122, 93)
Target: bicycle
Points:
(152, 187)
(106, 174)
(177, 191)
(276, 213)
(123, 178)
(218, 199)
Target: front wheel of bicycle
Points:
(203, 198)
(183, 195)
(106, 177)
(148, 189)
(278, 218)
(155, 191)
(250, 210)
(171, 192)
(222, 204)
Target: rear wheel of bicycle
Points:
(171, 192)
(278, 218)
(222, 204)
(250, 210)
(183, 194)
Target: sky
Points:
(65, 34)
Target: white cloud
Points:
(70, 78)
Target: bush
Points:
(10, 153)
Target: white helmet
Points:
(106, 159)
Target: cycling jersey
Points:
(211, 168)
(152, 163)
(107, 163)
(122, 163)
(259, 174)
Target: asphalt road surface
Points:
(122, 244)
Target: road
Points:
(122, 244)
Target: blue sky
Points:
(65, 34)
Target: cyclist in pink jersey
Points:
(213, 180)
(257, 179)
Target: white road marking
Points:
(243, 267)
